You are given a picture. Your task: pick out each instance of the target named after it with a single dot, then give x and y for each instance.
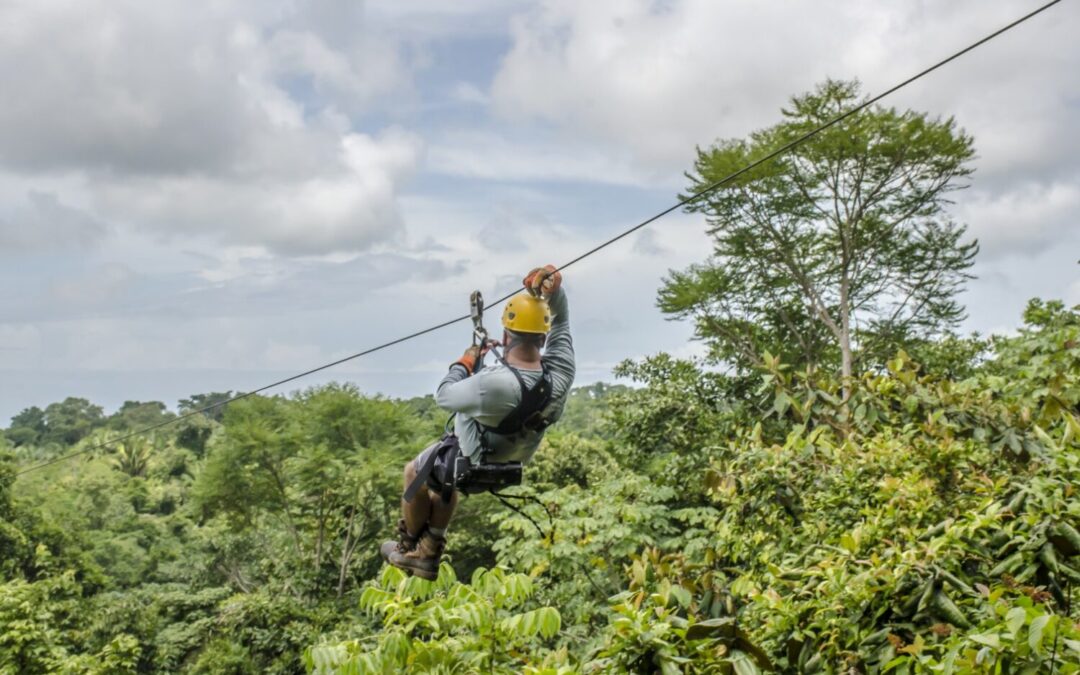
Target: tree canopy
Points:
(841, 248)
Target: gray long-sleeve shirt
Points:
(493, 393)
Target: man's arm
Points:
(458, 392)
(559, 349)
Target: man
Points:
(490, 408)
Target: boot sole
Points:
(422, 572)
(430, 575)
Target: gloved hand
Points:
(470, 357)
(543, 280)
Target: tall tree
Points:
(138, 414)
(212, 404)
(71, 420)
(313, 473)
(27, 427)
(838, 247)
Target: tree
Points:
(71, 421)
(212, 404)
(132, 456)
(834, 248)
(139, 414)
(317, 471)
(27, 427)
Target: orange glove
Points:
(469, 358)
(543, 280)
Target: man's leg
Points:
(433, 514)
(441, 512)
(423, 561)
(418, 512)
(414, 518)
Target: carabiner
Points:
(476, 311)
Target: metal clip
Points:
(476, 311)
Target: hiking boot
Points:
(405, 543)
(423, 561)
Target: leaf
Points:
(781, 404)
(1036, 630)
(1015, 619)
(550, 621)
(681, 595)
(723, 627)
(743, 664)
(992, 640)
(848, 543)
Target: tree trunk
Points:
(346, 552)
(845, 339)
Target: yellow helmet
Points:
(526, 313)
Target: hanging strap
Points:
(424, 472)
(529, 412)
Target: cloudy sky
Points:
(208, 196)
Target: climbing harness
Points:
(528, 415)
(442, 466)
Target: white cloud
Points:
(467, 92)
(347, 205)
(646, 242)
(646, 81)
(42, 221)
(1023, 219)
(442, 19)
(101, 285)
(657, 78)
(492, 156)
(228, 119)
(19, 345)
(1072, 296)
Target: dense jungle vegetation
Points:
(927, 523)
(842, 485)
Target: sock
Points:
(437, 531)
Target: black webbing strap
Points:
(425, 469)
(533, 402)
(449, 480)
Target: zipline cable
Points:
(674, 207)
(808, 135)
(219, 404)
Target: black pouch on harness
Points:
(444, 469)
(476, 478)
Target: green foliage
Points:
(895, 533)
(923, 520)
(320, 468)
(448, 627)
(28, 427)
(33, 619)
(650, 633)
(585, 408)
(840, 244)
(595, 531)
(132, 456)
(134, 415)
(70, 421)
(212, 405)
(680, 408)
(64, 423)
